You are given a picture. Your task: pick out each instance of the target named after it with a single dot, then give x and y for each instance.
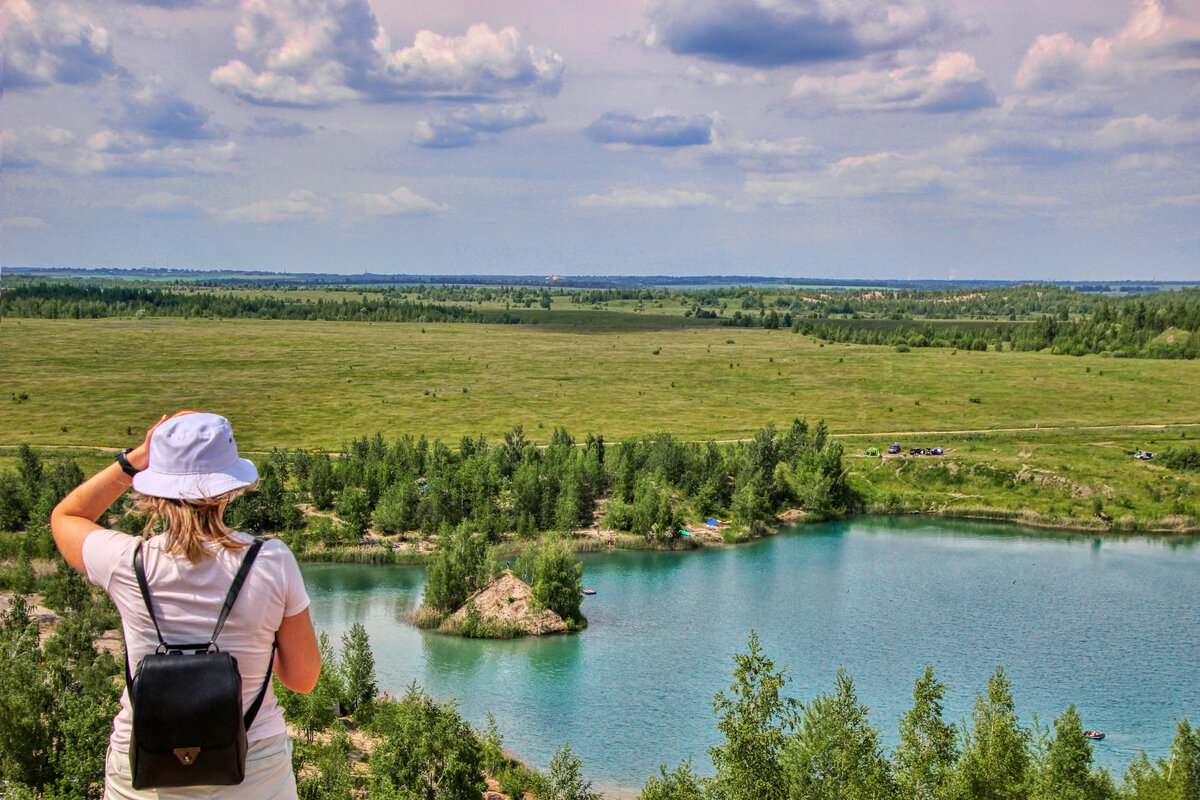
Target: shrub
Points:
(1181, 458)
(427, 749)
(513, 780)
(14, 502)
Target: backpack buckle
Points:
(187, 755)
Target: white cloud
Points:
(751, 155)
(464, 127)
(28, 148)
(328, 52)
(163, 114)
(152, 161)
(1179, 201)
(295, 206)
(1152, 42)
(322, 85)
(305, 206)
(658, 130)
(108, 141)
(641, 198)
(1144, 132)
(400, 202)
(1146, 162)
(23, 222)
(720, 80)
(1078, 105)
(53, 43)
(162, 203)
(876, 175)
(950, 82)
(112, 153)
(482, 62)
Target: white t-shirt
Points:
(187, 600)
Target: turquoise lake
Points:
(1111, 625)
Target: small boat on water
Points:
(1094, 735)
(593, 591)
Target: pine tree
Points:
(1176, 777)
(320, 483)
(1184, 764)
(926, 755)
(358, 668)
(755, 720)
(1067, 772)
(396, 511)
(558, 581)
(995, 758)
(14, 502)
(29, 467)
(835, 754)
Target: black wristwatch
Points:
(123, 460)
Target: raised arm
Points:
(75, 517)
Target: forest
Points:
(70, 301)
(1027, 318)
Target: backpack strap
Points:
(140, 571)
(255, 704)
(234, 588)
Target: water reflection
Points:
(1108, 624)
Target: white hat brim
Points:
(195, 486)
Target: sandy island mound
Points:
(508, 600)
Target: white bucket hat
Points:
(193, 457)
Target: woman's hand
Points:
(139, 456)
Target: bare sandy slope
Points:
(509, 600)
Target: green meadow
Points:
(1029, 436)
(316, 384)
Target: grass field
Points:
(313, 385)
(1069, 478)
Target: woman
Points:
(185, 472)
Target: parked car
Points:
(895, 448)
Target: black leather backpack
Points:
(188, 726)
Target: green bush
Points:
(1186, 458)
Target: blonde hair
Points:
(190, 524)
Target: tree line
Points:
(84, 301)
(1029, 317)
(1133, 329)
(649, 486)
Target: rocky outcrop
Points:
(508, 602)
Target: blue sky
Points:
(817, 138)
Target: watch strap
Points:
(123, 460)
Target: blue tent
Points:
(712, 522)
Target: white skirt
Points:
(268, 777)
